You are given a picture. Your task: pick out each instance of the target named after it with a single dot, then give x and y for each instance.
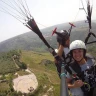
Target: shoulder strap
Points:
(75, 67)
(92, 58)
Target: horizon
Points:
(94, 21)
(47, 16)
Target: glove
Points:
(62, 37)
(62, 42)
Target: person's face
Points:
(78, 54)
(67, 42)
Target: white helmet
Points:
(77, 44)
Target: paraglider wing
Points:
(35, 29)
(19, 10)
(89, 14)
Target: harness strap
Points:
(87, 38)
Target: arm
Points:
(60, 50)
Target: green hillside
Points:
(30, 52)
(45, 73)
(41, 64)
(30, 41)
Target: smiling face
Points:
(78, 54)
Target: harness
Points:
(67, 60)
(88, 76)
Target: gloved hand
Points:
(62, 37)
(62, 41)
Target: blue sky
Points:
(45, 12)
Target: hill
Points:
(41, 64)
(30, 41)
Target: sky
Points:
(46, 13)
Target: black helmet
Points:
(64, 35)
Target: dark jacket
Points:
(91, 79)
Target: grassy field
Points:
(4, 86)
(41, 64)
(46, 74)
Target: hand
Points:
(62, 42)
(78, 83)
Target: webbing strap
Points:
(87, 38)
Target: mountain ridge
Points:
(30, 40)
